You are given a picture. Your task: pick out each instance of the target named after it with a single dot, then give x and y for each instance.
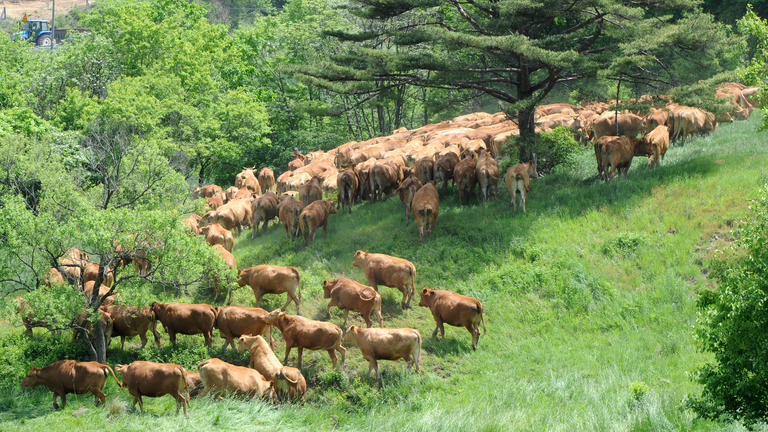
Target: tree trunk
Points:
(526, 122)
(99, 344)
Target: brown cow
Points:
(264, 209)
(234, 214)
(92, 273)
(216, 234)
(130, 321)
(266, 179)
(629, 124)
(288, 213)
(363, 171)
(444, 169)
(73, 263)
(229, 194)
(386, 344)
(407, 190)
(454, 309)
(465, 177)
(518, 179)
(314, 216)
(425, 168)
(193, 221)
(221, 377)
(487, 174)
(346, 183)
(426, 206)
(206, 191)
(384, 179)
(306, 333)
(271, 279)
(186, 319)
(215, 201)
(295, 164)
(235, 321)
(311, 192)
(687, 121)
(103, 290)
(616, 153)
(53, 277)
(287, 380)
(247, 179)
(657, 117)
(230, 261)
(146, 378)
(70, 376)
(388, 271)
(351, 295)
(658, 141)
(194, 383)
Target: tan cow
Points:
(229, 194)
(425, 169)
(215, 201)
(518, 179)
(287, 380)
(444, 167)
(92, 273)
(295, 164)
(465, 177)
(29, 319)
(407, 190)
(616, 154)
(629, 124)
(306, 333)
(349, 295)
(130, 321)
(487, 171)
(84, 325)
(206, 191)
(235, 321)
(454, 309)
(266, 179)
(658, 141)
(689, 121)
(73, 263)
(220, 377)
(247, 179)
(657, 117)
(103, 290)
(386, 344)
(70, 376)
(314, 216)
(346, 184)
(186, 319)
(234, 214)
(288, 213)
(216, 234)
(271, 279)
(363, 171)
(264, 209)
(146, 378)
(193, 221)
(426, 207)
(311, 191)
(388, 271)
(53, 277)
(384, 179)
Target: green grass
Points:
(589, 298)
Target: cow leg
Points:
(99, 396)
(287, 352)
(475, 335)
(522, 199)
(325, 229)
(343, 352)
(172, 337)
(63, 397)
(122, 342)
(156, 334)
(403, 303)
(208, 339)
(227, 342)
(373, 366)
(301, 351)
(287, 231)
(366, 317)
(55, 405)
(332, 354)
(513, 203)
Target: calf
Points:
(146, 378)
(444, 167)
(70, 376)
(186, 319)
(518, 179)
(217, 234)
(386, 344)
(266, 179)
(221, 377)
(130, 321)
(315, 216)
(311, 191)
(487, 174)
(465, 177)
(206, 191)
(351, 295)
(271, 279)
(426, 206)
(235, 321)
(454, 309)
(288, 381)
(407, 190)
(616, 154)
(388, 271)
(289, 212)
(303, 333)
(247, 179)
(264, 209)
(346, 184)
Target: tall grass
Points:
(589, 298)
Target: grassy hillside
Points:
(590, 303)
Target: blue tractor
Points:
(36, 31)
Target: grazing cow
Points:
(605, 124)
(193, 221)
(288, 381)
(388, 271)
(130, 321)
(314, 216)
(186, 319)
(425, 168)
(407, 190)
(518, 179)
(221, 377)
(247, 179)
(92, 273)
(235, 321)
(70, 376)
(216, 234)
(194, 383)
(264, 209)
(465, 177)
(487, 174)
(444, 169)
(234, 214)
(658, 141)
(288, 213)
(454, 309)
(306, 333)
(311, 192)
(616, 153)
(271, 279)
(266, 179)
(103, 290)
(384, 179)
(146, 378)
(53, 277)
(351, 295)
(426, 206)
(206, 191)
(346, 183)
(386, 344)
(215, 201)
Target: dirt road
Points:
(37, 9)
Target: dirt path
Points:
(37, 9)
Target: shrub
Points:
(556, 148)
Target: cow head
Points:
(359, 259)
(244, 343)
(32, 379)
(327, 285)
(350, 336)
(427, 297)
(242, 278)
(156, 308)
(274, 317)
(332, 206)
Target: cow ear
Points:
(424, 290)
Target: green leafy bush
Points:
(556, 148)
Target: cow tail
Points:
(479, 308)
(282, 374)
(413, 281)
(106, 368)
(185, 387)
(417, 354)
(298, 279)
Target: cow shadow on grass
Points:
(448, 346)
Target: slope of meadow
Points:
(590, 307)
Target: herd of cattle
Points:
(462, 152)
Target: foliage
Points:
(556, 149)
(756, 72)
